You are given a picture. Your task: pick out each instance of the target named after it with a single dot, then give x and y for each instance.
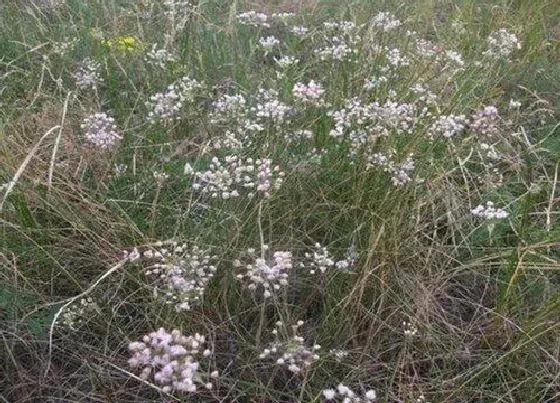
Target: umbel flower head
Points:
(289, 350)
(100, 130)
(171, 359)
(502, 43)
(489, 212)
(87, 74)
(182, 273)
(167, 105)
(270, 276)
(347, 395)
(233, 176)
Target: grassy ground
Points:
(410, 294)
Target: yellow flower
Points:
(127, 43)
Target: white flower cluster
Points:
(253, 18)
(171, 359)
(447, 126)
(374, 82)
(396, 59)
(345, 27)
(489, 212)
(423, 94)
(286, 61)
(350, 118)
(485, 121)
(363, 124)
(228, 108)
(400, 173)
(489, 150)
(310, 93)
(159, 57)
(257, 19)
(183, 274)
(386, 21)
(298, 135)
(100, 130)
(514, 104)
(270, 107)
(348, 396)
(235, 175)
(338, 354)
(396, 117)
(268, 43)
(289, 350)
(429, 50)
(270, 276)
(321, 260)
(75, 313)
(178, 13)
(229, 141)
(167, 105)
(54, 4)
(87, 74)
(160, 177)
(172, 5)
(410, 330)
(343, 44)
(455, 57)
(119, 169)
(502, 43)
(282, 17)
(426, 48)
(337, 50)
(64, 47)
(300, 31)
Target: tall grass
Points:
(409, 293)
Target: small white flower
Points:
(188, 170)
(311, 93)
(132, 256)
(62, 48)
(410, 330)
(386, 21)
(300, 30)
(489, 212)
(268, 43)
(514, 104)
(159, 57)
(286, 61)
(253, 18)
(455, 57)
(329, 394)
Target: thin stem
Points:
(263, 247)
